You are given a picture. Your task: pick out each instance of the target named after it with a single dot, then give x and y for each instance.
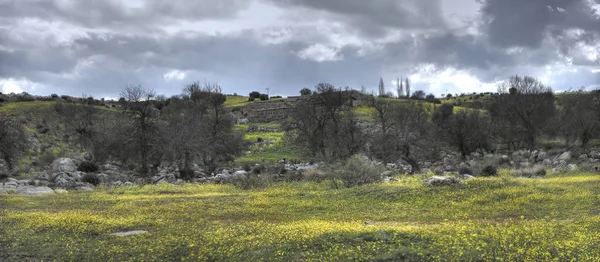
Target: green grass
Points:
(236, 101)
(272, 149)
(504, 218)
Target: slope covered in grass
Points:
(503, 218)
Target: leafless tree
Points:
(522, 110)
(579, 118)
(138, 102)
(13, 140)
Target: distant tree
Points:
(254, 95)
(400, 88)
(468, 131)
(326, 125)
(522, 110)
(449, 96)
(404, 133)
(305, 92)
(419, 95)
(579, 118)
(407, 87)
(13, 140)
(442, 113)
(430, 98)
(196, 127)
(264, 97)
(381, 87)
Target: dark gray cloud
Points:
(109, 44)
(117, 15)
(526, 23)
(375, 18)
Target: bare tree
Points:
(326, 125)
(381, 87)
(468, 131)
(404, 133)
(579, 118)
(13, 140)
(522, 109)
(139, 104)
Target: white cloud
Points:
(449, 80)
(321, 53)
(174, 75)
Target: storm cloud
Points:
(97, 47)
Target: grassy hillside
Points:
(503, 218)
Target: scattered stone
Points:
(3, 191)
(240, 173)
(565, 156)
(61, 165)
(129, 184)
(129, 233)
(34, 191)
(547, 162)
(60, 191)
(442, 181)
(466, 176)
(84, 188)
(583, 157)
(542, 156)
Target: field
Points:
(503, 218)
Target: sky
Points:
(95, 48)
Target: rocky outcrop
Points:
(442, 181)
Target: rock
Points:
(488, 156)
(572, 166)
(110, 167)
(524, 164)
(60, 191)
(565, 156)
(547, 162)
(542, 156)
(163, 178)
(103, 177)
(129, 233)
(442, 181)
(63, 165)
(3, 191)
(240, 173)
(583, 157)
(388, 173)
(116, 183)
(34, 191)
(504, 160)
(465, 176)
(594, 155)
(449, 168)
(88, 157)
(129, 184)
(84, 188)
(243, 121)
(11, 184)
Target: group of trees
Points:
(193, 127)
(257, 95)
(524, 111)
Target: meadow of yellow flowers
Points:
(502, 218)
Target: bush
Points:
(54, 96)
(251, 181)
(489, 170)
(251, 99)
(464, 170)
(87, 167)
(247, 168)
(264, 97)
(258, 169)
(357, 172)
(91, 178)
(531, 172)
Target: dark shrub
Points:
(247, 168)
(87, 167)
(254, 94)
(258, 169)
(464, 170)
(54, 96)
(357, 171)
(3, 175)
(186, 174)
(264, 97)
(91, 178)
(251, 99)
(489, 170)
